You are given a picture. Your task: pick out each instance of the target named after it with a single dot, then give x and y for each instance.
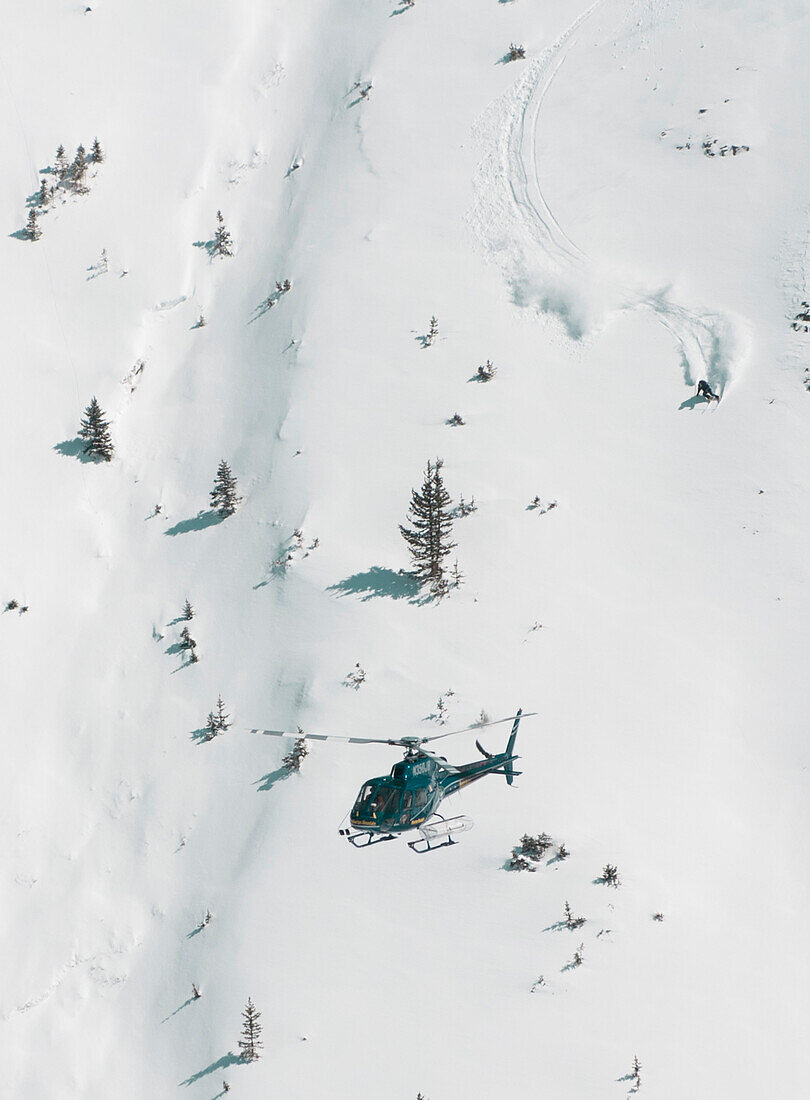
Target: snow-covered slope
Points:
(657, 618)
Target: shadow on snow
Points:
(379, 582)
(229, 1059)
(196, 523)
(74, 448)
(267, 782)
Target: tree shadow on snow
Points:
(267, 782)
(20, 234)
(208, 246)
(196, 523)
(229, 1059)
(74, 448)
(379, 582)
(201, 735)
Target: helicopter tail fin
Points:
(510, 748)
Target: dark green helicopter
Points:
(409, 797)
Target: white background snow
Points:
(541, 210)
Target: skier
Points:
(704, 390)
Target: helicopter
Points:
(408, 798)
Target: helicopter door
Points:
(407, 804)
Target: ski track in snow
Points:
(542, 264)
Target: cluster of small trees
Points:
(71, 178)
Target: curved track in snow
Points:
(542, 264)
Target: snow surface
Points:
(542, 211)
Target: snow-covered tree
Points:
(96, 431)
(223, 244)
(44, 196)
(188, 611)
(60, 165)
(431, 526)
(250, 1043)
(292, 761)
(32, 230)
(96, 152)
(224, 498)
(78, 170)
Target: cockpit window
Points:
(420, 797)
(386, 801)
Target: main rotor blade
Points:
(477, 726)
(440, 761)
(331, 737)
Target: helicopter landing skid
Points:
(365, 840)
(438, 833)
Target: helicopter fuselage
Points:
(411, 794)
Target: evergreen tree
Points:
(223, 496)
(429, 536)
(250, 1044)
(223, 244)
(78, 170)
(292, 761)
(188, 611)
(96, 431)
(96, 152)
(44, 196)
(222, 719)
(60, 166)
(32, 230)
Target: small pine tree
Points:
(78, 170)
(222, 719)
(188, 611)
(429, 536)
(96, 152)
(186, 641)
(44, 196)
(250, 1043)
(32, 230)
(292, 761)
(60, 166)
(211, 728)
(223, 496)
(96, 431)
(223, 244)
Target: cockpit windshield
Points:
(378, 799)
(386, 801)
